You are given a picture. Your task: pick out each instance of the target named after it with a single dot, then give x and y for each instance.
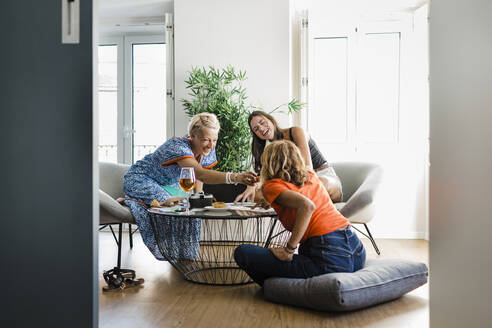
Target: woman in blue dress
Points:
(156, 176)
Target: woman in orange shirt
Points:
(326, 242)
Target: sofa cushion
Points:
(379, 281)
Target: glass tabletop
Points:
(200, 245)
(230, 211)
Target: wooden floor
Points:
(167, 300)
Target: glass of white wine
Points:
(187, 182)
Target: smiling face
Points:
(262, 127)
(203, 141)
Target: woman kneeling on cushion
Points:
(326, 242)
(156, 176)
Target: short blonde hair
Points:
(282, 159)
(203, 120)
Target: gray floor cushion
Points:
(379, 281)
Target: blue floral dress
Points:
(144, 182)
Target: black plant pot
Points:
(224, 192)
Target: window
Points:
(108, 102)
(132, 97)
(149, 98)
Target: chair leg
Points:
(372, 240)
(120, 235)
(130, 235)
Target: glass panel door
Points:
(108, 102)
(132, 97)
(148, 97)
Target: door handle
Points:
(70, 21)
(128, 132)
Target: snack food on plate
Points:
(155, 203)
(219, 204)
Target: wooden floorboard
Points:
(167, 300)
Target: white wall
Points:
(402, 209)
(461, 161)
(251, 35)
(256, 36)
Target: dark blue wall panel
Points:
(46, 244)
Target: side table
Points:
(220, 232)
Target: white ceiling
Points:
(365, 5)
(127, 9)
(147, 16)
(118, 17)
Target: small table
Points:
(221, 231)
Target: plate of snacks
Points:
(246, 204)
(218, 207)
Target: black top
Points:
(316, 157)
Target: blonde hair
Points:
(201, 121)
(282, 159)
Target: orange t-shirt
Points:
(325, 218)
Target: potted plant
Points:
(220, 91)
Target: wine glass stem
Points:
(188, 202)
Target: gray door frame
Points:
(48, 168)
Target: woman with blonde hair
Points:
(326, 242)
(156, 176)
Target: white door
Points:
(366, 103)
(133, 107)
(145, 96)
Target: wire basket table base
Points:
(209, 251)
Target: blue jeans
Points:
(338, 251)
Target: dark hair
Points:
(258, 145)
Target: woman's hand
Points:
(247, 195)
(247, 178)
(282, 254)
(261, 202)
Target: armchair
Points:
(360, 182)
(110, 211)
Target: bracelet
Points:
(228, 178)
(290, 248)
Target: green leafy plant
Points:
(293, 106)
(220, 91)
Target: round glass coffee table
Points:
(209, 256)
